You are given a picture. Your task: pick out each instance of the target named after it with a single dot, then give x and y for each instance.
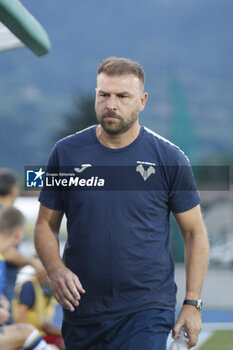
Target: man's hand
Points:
(66, 287)
(190, 319)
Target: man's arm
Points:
(21, 316)
(196, 262)
(12, 255)
(65, 284)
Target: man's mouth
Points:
(110, 117)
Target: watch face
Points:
(199, 305)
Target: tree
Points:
(80, 117)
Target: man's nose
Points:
(111, 103)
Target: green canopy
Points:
(23, 25)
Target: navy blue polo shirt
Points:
(117, 205)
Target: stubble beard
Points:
(118, 126)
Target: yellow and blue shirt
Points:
(41, 306)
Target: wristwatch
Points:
(197, 303)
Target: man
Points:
(35, 304)
(9, 191)
(20, 336)
(116, 279)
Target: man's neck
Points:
(6, 201)
(117, 141)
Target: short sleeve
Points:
(52, 197)
(27, 294)
(183, 193)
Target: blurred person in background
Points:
(9, 187)
(35, 304)
(14, 336)
(9, 191)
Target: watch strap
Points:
(197, 303)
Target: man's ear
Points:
(144, 97)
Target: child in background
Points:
(15, 336)
(35, 304)
(9, 191)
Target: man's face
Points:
(119, 99)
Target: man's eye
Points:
(122, 96)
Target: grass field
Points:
(220, 340)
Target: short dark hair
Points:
(120, 66)
(8, 180)
(10, 219)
